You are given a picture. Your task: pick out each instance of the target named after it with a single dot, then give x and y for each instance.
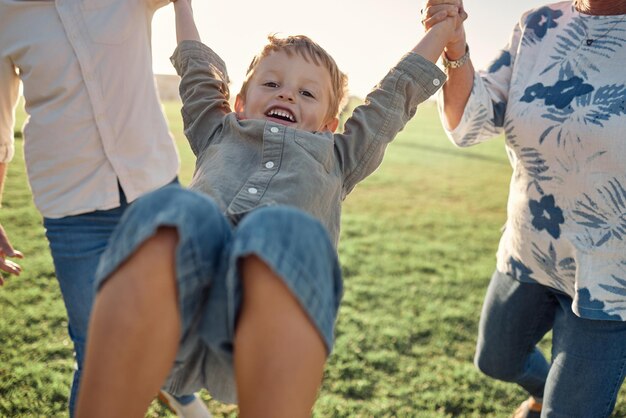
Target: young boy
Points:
(235, 284)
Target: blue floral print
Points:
(572, 49)
(499, 109)
(561, 271)
(598, 307)
(536, 166)
(560, 95)
(618, 290)
(592, 109)
(520, 271)
(504, 60)
(608, 101)
(546, 215)
(605, 216)
(542, 20)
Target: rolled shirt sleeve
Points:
(203, 90)
(483, 117)
(386, 111)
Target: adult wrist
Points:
(455, 51)
(448, 62)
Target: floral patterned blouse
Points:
(558, 92)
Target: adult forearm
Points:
(456, 93)
(457, 89)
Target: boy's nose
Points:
(286, 95)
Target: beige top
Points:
(95, 117)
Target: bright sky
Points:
(366, 37)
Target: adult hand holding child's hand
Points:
(435, 11)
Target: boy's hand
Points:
(6, 250)
(437, 11)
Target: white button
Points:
(436, 82)
(273, 129)
(269, 164)
(252, 190)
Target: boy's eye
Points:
(307, 93)
(270, 84)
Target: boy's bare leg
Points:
(279, 355)
(133, 334)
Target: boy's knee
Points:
(156, 252)
(164, 240)
(257, 274)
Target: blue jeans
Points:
(76, 243)
(292, 243)
(588, 356)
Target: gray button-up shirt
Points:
(245, 164)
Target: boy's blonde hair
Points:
(310, 51)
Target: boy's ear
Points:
(332, 125)
(239, 104)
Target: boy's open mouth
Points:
(281, 115)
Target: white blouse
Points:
(558, 92)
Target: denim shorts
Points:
(292, 243)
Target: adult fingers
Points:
(5, 245)
(429, 3)
(463, 15)
(7, 250)
(11, 267)
(431, 11)
(437, 14)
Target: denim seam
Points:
(615, 389)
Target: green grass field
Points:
(417, 249)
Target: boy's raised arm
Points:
(204, 82)
(394, 101)
(186, 29)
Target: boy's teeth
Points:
(281, 113)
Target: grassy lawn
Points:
(417, 249)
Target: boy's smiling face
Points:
(289, 90)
